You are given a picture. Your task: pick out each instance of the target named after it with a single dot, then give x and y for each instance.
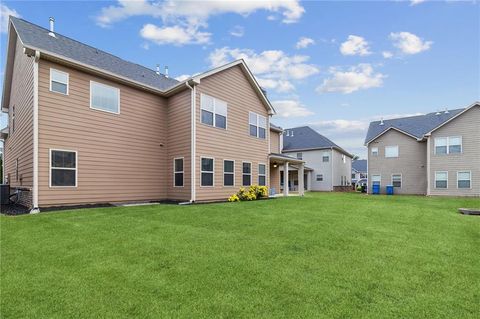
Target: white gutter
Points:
(193, 90)
(35, 208)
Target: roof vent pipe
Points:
(438, 113)
(166, 71)
(291, 134)
(381, 121)
(446, 111)
(158, 69)
(52, 25)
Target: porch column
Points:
(301, 188)
(285, 179)
(309, 180)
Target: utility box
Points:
(4, 194)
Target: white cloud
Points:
(290, 108)
(355, 45)
(409, 43)
(387, 54)
(4, 13)
(415, 2)
(274, 68)
(182, 77)
(304, 42)
(359, 77)
(237, 31)
(175, 35)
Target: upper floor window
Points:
(262, 174)
(325, 157)
(104, 97)
(374, 151)
(214, 111)
(448, 145)
(258, 125)
(178, 172)
(397, 180)
(441, 179)
(391, 151)
(299, 156)
(63, 168)
(58, 81)
(464, 179)
(206, 170)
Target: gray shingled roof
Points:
(35, 36)
(416, 126)
(360, 165)
(304, 138)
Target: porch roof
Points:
(284, 158)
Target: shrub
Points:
(252, 193)
(234, 198)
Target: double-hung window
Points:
(213, 111)
(58, 81)
(448, 145)
(206, 169)
(320, 178)
(374, 151)
(246, 174)
(178, 172)
(391, 151)
(299, 156)
(325, 157)
(262, 174)
(376, 179)
(441, 179)
(464, 179)
(397, 180)
(63, 168)
(104, 97)
(228, 173)
(258, 125)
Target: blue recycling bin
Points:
(389, 189)
(376, 189)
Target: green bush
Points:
(248, 194)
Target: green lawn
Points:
(325, 255)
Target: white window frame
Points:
(401, 180)
(52, 70)
(327, 155)
(447, 139)
(230, 173)
(257, 125)
(316, 178)
(178, 172)
(64, 168)
(392, 146)
(470, 174)
(202, 95)
(379, 180)
(202, 171)
(251, 173)
(300, 155)
(374, 151)
(435, 179)
(108, 86)
(265, 175)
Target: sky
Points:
(332, 65)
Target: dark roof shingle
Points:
(304, 137)
(360, 165)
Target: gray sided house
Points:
(328, 165)
(433, 154)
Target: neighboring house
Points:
(328, 165)
(432, 154)
(87, 127)
(359, 170)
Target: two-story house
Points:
(433, 154)
(87, 127)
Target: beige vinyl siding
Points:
(411, 163)
(20, 143)
(275, 142)
(120, 156)
(179, 142)
(235, 143)
(467, 126)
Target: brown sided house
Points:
(87, 127)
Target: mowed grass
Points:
(325, 255)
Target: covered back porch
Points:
(279, 164)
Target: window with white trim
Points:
(104, 97)
(464, 179)
(391, 151)
(58, 81)
(213, 111)
(258, 125)
(448, 145)
(262, 174)
(228, 173)
(299, 156)
(246, 174)
(326, 157)
(397, 180)
(353, 175)
(376, 179)
(206, 170)
(320, 178)
(178, 172)
(63, 168)
(374, 151)
(441, 179)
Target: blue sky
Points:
(332, 65)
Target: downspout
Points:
(331, 163)
(192, 142)
(35, 208)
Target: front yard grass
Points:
(328, 255)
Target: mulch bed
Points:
(14, 209)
